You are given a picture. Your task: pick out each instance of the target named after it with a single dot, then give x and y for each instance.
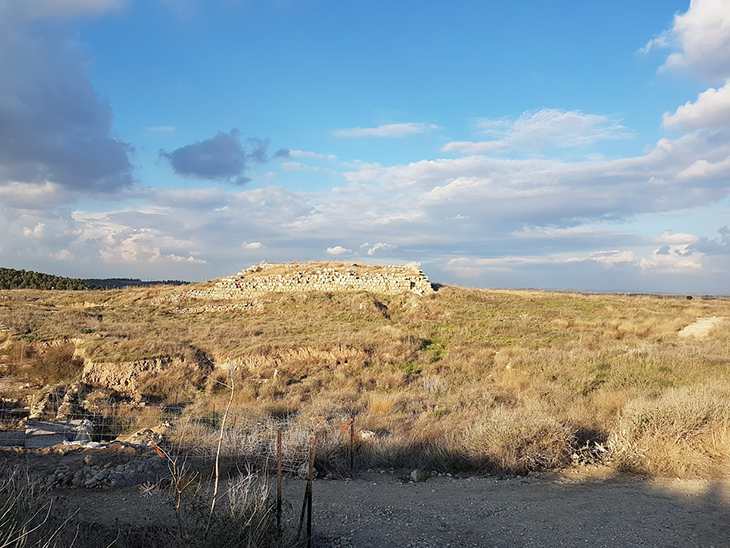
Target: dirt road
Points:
(592, 509)
(577, 508)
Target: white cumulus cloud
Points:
(144, 245)
(673, 258)
(677, 238)
(701, 169)
(381, 246)
(36, 232)
(338, 250)
(710, 110)
(62, 255)
(702, 36)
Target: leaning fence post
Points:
(307, 506)
(278, 479)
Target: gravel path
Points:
(589, 507)
(384, 510)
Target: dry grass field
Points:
(513, 381)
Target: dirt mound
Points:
(138, 376)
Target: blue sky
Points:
(498, 144)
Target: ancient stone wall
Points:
(329, 277)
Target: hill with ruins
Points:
(512, 381)
(265, 277)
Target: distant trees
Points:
(121, 283)
(28, 279)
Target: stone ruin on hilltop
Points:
(329, 277)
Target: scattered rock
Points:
(157, 434)
(367, 435)
(99, 477)
(419, 475)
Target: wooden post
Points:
(352, 446)
(304, 511)
(307, 505)
(310, 478)
(278, 479)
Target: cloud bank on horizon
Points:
(472, 142)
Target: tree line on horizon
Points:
(11, 278)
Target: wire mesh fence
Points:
(193, 431)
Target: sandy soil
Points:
(701, 328)
(586, 507)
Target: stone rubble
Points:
(327, 277)
(219, 307)
(47, 402)
(92, 476)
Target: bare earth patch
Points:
(701, 328)
(580, 507)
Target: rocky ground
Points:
(116, 465)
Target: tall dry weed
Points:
(518, 440)
(683, 432)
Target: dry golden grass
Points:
(515, 380)
(380, 403)
(519, 440)
(683, 431)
